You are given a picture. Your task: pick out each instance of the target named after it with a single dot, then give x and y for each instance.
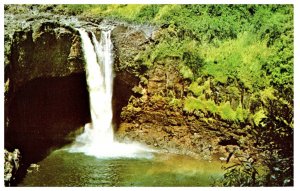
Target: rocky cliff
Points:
(154, 116)
(45, 86)
(46, 99)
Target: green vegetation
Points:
(237, 61)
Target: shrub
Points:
(258, 117)
(174, 102)
(191, 104)
(186, 72)
(226, 112)
(196, 89)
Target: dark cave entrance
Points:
(43, 112)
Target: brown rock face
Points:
(128, 42)
(153, 119)
(165, 79)
(123, 83)
(49, 50)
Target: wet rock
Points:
(12, 162)
(29, 47)
(33, 168)
(128, 42)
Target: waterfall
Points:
(97, 138)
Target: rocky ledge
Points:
(154, 116)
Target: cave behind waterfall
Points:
(44, 111)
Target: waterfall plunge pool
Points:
(63, 168)
(81, 167)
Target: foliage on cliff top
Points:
(238, 60)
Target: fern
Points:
(241, 114)
(196, 89)
(226, 112)
(211, 106)
(258, 117)
(191, 104)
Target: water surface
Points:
(62, 168)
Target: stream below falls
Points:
(63, 168)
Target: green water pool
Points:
(62, 168)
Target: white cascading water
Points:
(97, 138)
